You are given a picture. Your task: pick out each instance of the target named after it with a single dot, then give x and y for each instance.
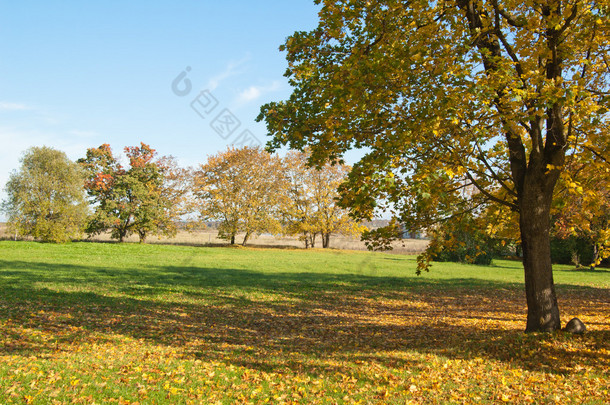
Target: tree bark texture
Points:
(542, 308)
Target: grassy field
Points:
(107, 323)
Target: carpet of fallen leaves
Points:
(63, 343)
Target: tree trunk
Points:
(325, 240)
(306, 240)
(142, 237)
(534, 176)
(232, 239)
(542, 309)
(245, 239)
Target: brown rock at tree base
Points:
(575, 325)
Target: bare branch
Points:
(494, 175)
(597, 154)
(490, 196)
(606, 63)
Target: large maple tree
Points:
(449, 95)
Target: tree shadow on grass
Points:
(286, 320)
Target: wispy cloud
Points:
(8, 106)
(232, 69)
(253, 93)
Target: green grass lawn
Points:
(96, 323)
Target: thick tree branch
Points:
(556, 142)
(569, 20)
(490, 52)
(510, 19)
(509, 49)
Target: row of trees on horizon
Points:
(247, 191)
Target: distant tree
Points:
(311, 205)
(138, 199)
(297, 208)
(330, 218)
(177, 189)
(45, 198)
(241, 189)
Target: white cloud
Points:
(232, 69)
(251, 93)
(255, 92)
(8, 106)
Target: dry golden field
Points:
(209, 237)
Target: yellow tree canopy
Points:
(446, 95)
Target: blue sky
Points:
(76, 74)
